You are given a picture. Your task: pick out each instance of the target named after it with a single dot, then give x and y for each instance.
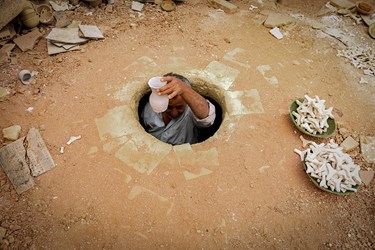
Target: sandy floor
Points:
(118, 187)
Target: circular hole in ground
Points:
(209, 91)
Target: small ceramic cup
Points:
(25, 76)
(159, 103)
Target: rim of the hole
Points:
(203, 87)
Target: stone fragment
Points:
(3, 93)
(62, 19)
(367, 19)
(366, 176)
(224, 5)
(349, 143)
(277, 20)
(91, 31)
(344, 132)
(62, 6)
(343, 4)
(368, 148)
(3, 231)
(12, 133)
(137, 6)
(7, 32)
(66, 35)
(28, 41)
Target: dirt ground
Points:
(244, 188)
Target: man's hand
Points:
(173, 87)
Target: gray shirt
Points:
(182, 130)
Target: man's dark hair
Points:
(182, 78)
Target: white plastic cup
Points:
(159, 103)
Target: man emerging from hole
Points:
(187, 112)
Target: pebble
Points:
(3, 231)
(12, 133)
(11, 239)
(4, 224)
(14, 227)
(42, 127)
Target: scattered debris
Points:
(339, 35)
(368, 148)
(28, 41)
(277, 20)
(30, 109)
(91, 31)
(5, 52)
(73, 138)
(66, 35)
(276, 33)
(54, 49)
(13, 162)
(26, 76)
(137, 6)
(3, 93)
(361, 58)
(368, 19)
(62, 19)
(363, 81)
(343, 4)
(61, 40)
(7, 33)
(62, 150)
(224, 5)
(61, 6)
(371, 30)
(12, 133)
(9, 10)
(252, 7)
(349, 143)
(25, 158)
(366, 176)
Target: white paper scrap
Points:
(276, 33)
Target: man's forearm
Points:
(197, 103)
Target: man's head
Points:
(177, 105)
(182, 78)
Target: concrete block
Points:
(9, 10)
(224, 5)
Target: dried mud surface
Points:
(258, 197)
